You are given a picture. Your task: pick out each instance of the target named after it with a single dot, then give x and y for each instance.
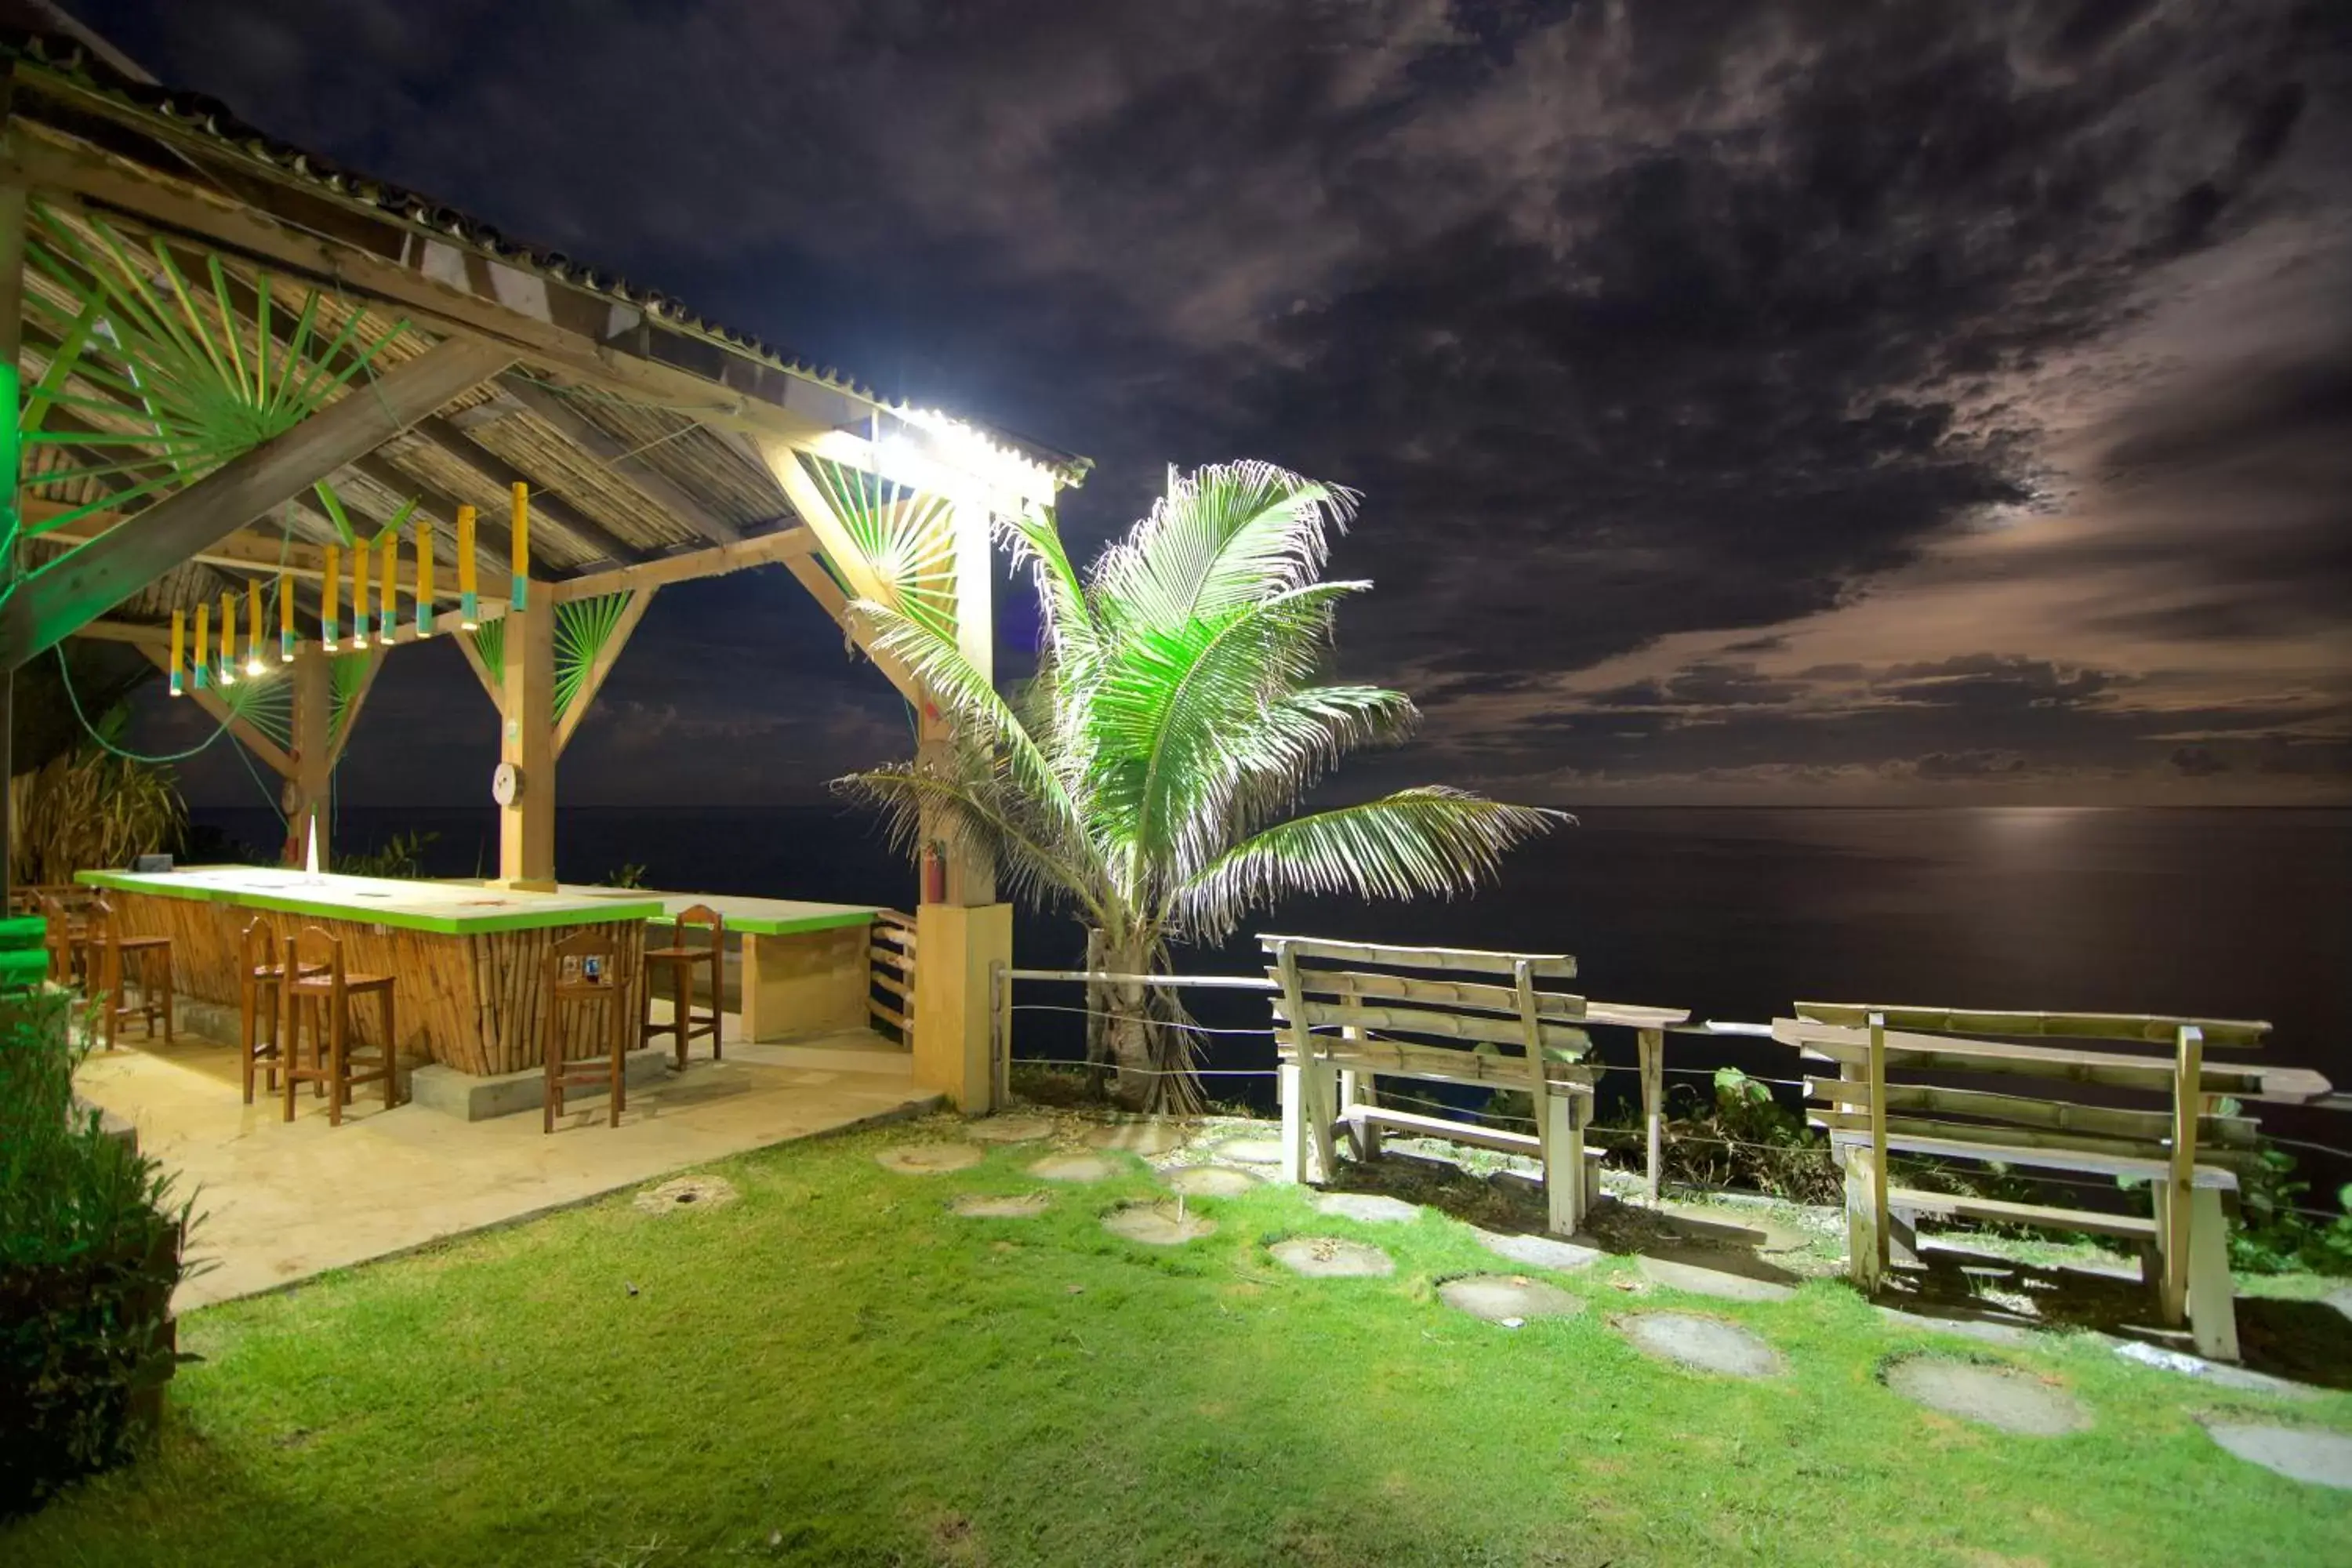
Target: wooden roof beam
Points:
(84, 583)
(592, 535)
(545, 404)
(779, 546)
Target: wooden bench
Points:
(1449, 1015)
(1891, 1095)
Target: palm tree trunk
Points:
(1142, 1036)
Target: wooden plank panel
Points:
(1548, 966)
(1934, 1051)
(2148, 1028)
(1961, 1206)
(2027, 1111)
(1445, 1025)
(1468, 996)
(1418, 1126)
(1440, 1064)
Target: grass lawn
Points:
(836, 1370)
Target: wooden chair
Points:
(260, 1009)
(2169, 1132)
(1435, 1016)
(586, 982)
(314, 984)
(71, 960)
(680, 959)
(120, 959)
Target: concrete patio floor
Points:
(284, 1200)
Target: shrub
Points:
(90, 1245)
(402, 857)
(2274, 1235)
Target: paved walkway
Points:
(283, 1200)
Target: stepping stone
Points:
(930, 1159)
(2298, 1453)
(1158, 1225)
(2340, 1298)
(1027, 1205)
(1537, 1251)
(2214, 1372)
(1330, 1258)
(1136, 1137)
(1703, 1279)
(1509, 1300)
(1210, 1182)
(1009, 1129)
(1250, 1151)
(1967, 1327)
(1368, 1206)
(1703, 1344)
(684, 1194)
(1074, 1168)
(2005, 1397)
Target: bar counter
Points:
(468, 962)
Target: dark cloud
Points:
(2198, 762)
(1635, 323)
(1946, 765)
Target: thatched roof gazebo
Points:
(241, 370)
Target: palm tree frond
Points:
(1223, 535)
(909, 799)
(1418, 843)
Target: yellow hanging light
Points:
(228, 639)
(253, 665)
(424, 579)
(286, 617)
(330, 634)
(358, 596)
(387, 623)
(519, 599)
(204, 646)
(179, 646)
(469, 601)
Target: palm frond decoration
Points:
(1179, 714)
(490, 643)
(907, 536)
(173, 362)
(582, 628)
(347, 677)
(266, 705)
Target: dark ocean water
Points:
(1733, 913)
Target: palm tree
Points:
(1145, 776)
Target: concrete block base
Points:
(471, 1099)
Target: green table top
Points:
(445, 909)
(749, 916)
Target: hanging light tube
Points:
(330, 634)
(228, 639)
(286, 617)
(360, 596)
(519, 598)
(424, 579)
(468, 598)
(204, 646)
(387, 623)
(253, 665)
(179, 647)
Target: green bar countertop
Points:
(447, 909)
(751, 916)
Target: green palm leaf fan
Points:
(582, 628)
(907, 536)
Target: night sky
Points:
(1753, 402)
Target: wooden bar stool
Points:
(69, 942)
(680, 958)
(584, 979)
(314, 983)
(122, 958)
(260, 1010)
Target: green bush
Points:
(89, 1255)
(401, 858)
(2273, 1236)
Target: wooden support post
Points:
(2180, 1207)
(2213, 1296)
(1878, 1147)
(956, 1008)
(527, 742)
(492, 686)
(1652, 1044)
(314, 753)
(349, 722)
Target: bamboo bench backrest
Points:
(1891, 1101)
(1447, 1013)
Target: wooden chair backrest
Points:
(101, 922)
(712, 922)
(1449, 1015)
(259, 946)
(1904, 1098)
(569, 961)
(316, 955)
